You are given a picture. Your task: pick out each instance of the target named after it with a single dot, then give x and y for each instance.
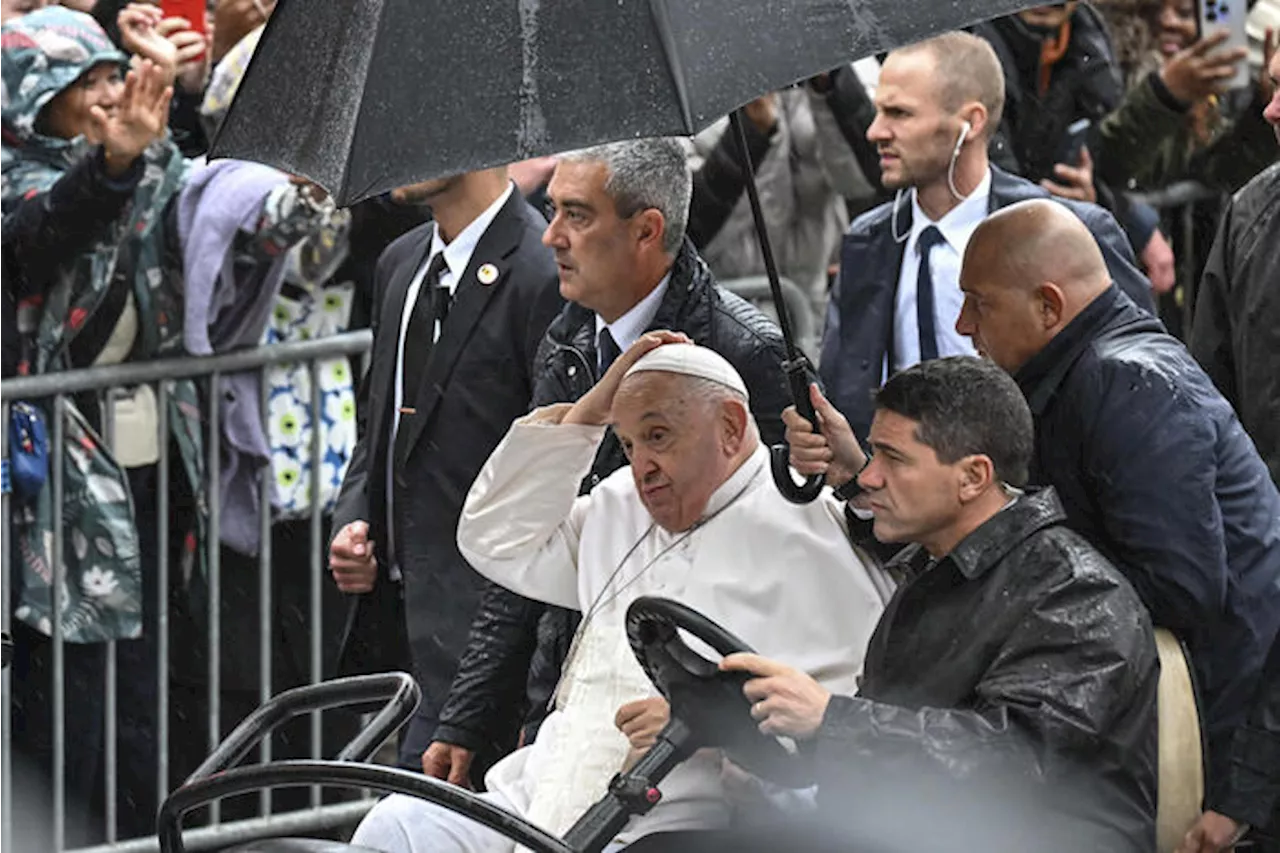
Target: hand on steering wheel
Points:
(709, 701)
(784, 701)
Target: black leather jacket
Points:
(517, 646)
(1014, 678)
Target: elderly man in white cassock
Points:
(695, 518)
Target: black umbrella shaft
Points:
(766, 248)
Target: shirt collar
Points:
(959, 223)
(457, 254)
(628, 328)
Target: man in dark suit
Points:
(461, 304)
(897, 300)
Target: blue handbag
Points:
(28, 450)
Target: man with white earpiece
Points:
(898, 297)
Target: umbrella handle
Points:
(797, 371)
(796, 366)
(797, 493)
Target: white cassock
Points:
(783, 577)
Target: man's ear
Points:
(650, 227)
(734, 420)
(977, 116)
(1052, 305)
(977, 475)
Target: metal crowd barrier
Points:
(1181, 202)
(161, 374)
(58, 387)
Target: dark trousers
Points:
(239, 664)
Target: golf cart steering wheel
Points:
(710, 702)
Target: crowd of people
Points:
(1047, 415)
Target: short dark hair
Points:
(965, 406)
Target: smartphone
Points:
(193, 10)
(1229, 15)
(1077, 137)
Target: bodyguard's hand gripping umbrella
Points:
(363, 96)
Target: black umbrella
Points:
(363, 96)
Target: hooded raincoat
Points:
(125, 270)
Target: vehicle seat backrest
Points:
(1180, 778)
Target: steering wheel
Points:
(707, 700)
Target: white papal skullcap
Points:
(692, 360)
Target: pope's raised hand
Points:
(596, 405)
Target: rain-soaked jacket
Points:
(1236, 338)
(1008, 700)
(46, 229)
(1236, 332)
(1154, 469)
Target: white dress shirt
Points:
(457, 257)
(781, 576)
(628, 328)
(957, 226)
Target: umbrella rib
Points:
(666, 35)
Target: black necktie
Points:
(419, 336)
(929, 238)
(608, 349)
(420, 333)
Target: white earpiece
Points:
(955, 155)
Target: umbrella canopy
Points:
(362, 96)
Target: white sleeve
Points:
(522, 520)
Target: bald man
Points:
(1149, 459)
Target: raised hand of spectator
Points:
(1157, 261)
(192, 57)
(140, 34)
(140, 118)
(1200, 71)
(763, 113)
(235, 19)
(1076, 181)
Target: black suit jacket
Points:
(477, 380)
